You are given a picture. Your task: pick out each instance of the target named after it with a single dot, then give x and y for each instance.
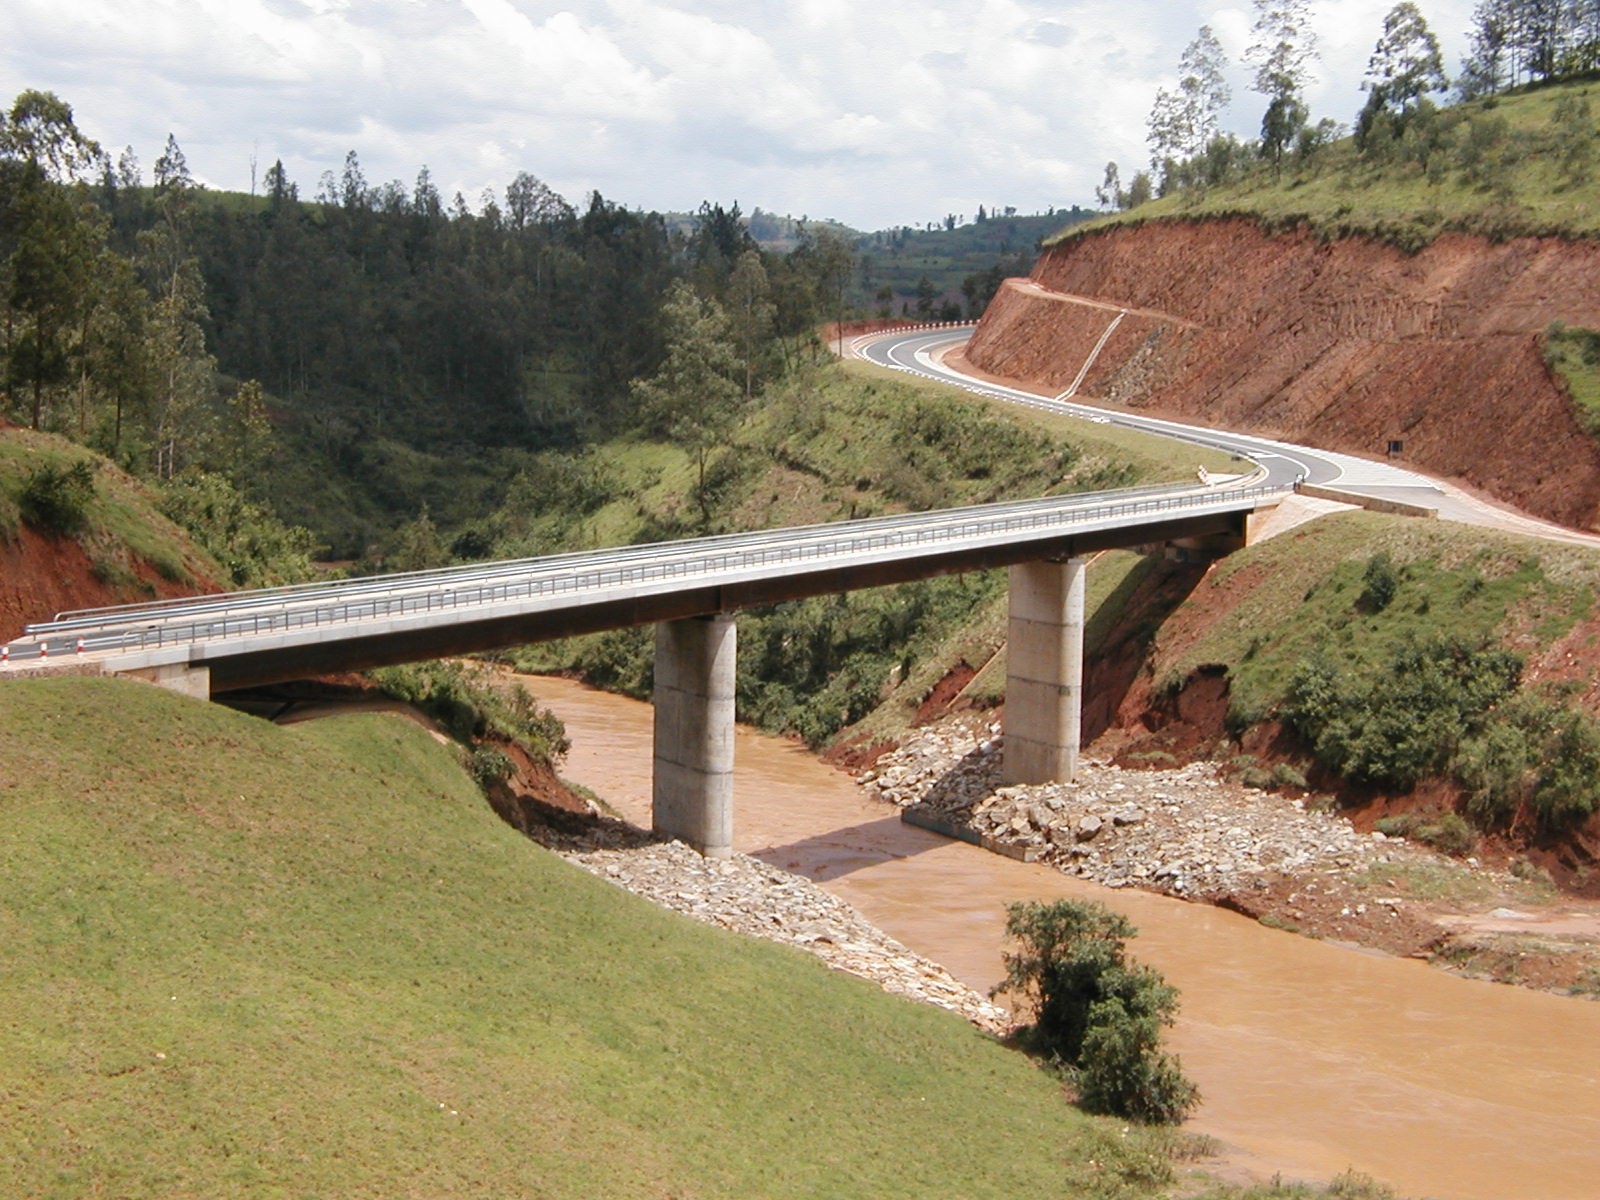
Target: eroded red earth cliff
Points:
(1345, 344)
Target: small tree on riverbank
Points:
(1096, 1011)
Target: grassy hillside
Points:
(119, 525)
(837, 441)
(243, 959)
(1309, 592)
(1506, 166)
(832, 443)
(1400, 651)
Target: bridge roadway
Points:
(268, 635)
(690, 590)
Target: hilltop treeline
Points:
(373, 349)
(1512, 44)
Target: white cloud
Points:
(875, 113)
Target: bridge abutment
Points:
(692, 788)
(1044, 671)
(182, 678)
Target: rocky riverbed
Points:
(1189, 831)
(748, 896)
(1290, 861)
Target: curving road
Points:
(921, 352)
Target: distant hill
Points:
(961, 264)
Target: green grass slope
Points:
(1502, 167)
(238, 959)
(1270, 607)
(123, 529)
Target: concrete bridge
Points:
(690, 590)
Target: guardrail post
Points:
(1044, 672)
(692, 777)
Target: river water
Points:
(1312, 1058)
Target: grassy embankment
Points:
(121, 528)
(1497, 167)
(240, 958)
(829, 444)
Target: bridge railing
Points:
(706, 560)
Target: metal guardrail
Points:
(715, 559)
(98, 619)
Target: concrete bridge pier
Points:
(1044, 672)
(692, 778)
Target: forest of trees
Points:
(366, 332)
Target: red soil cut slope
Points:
(41, 576)
(1345, 345)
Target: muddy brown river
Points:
(1312, 1058)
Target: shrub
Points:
(1404, 719)
(1529, 871)
(488, 766)
(1448, 833)
(252, 544)
(469, 707)
(1379, 583)
(1532, 754)
(1256, 777)
(56, 499)
(1285, 775)
(1095, 1010)
(1123, 1070)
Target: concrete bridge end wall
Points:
(182, 678)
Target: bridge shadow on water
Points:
(851, 848)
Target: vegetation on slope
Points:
(825, 444)
(58, 489)
(1400, 650)
(310, 959)
(1511, 165)
(1574, 356)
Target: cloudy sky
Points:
(874, 112)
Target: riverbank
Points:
(1312, 1057)
(1287, 860)
(747, 896)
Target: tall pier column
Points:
(1044, 672)
(692, 783)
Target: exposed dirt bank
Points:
(41, 576)
(1345, 345)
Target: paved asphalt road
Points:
(921, 352)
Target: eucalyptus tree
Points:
(1405, 66)
(1283, 48)
(51, 237)
(1183, 122)
(182, 370)
(750, 312)
(693, 397)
